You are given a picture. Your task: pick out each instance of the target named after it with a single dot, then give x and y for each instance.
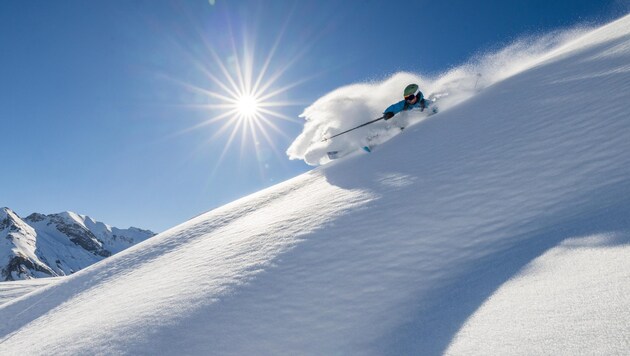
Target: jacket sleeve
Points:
(396, 108)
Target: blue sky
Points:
(105, 106)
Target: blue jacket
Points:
(404, 105)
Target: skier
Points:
(413, 100)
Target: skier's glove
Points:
(388, 115)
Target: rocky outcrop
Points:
(21, 267)
(79, 235)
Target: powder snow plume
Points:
(355, 104)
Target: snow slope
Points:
(459, 236)
(587, 281)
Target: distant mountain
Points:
(57, 244)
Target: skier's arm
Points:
(393, 110)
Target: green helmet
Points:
(410, 89)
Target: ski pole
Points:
(477, 81)
(354, 128)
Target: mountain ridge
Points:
(57, 244)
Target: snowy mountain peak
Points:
(9, 219)
(6, 213)
(4, 217)
(58, 244)
(18, 242)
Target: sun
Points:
(248, 106)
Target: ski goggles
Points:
(410, 97)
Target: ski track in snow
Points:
(460, 236)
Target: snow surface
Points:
(585, 311)
(15, 289)
(499, 226)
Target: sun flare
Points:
(244, 99)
